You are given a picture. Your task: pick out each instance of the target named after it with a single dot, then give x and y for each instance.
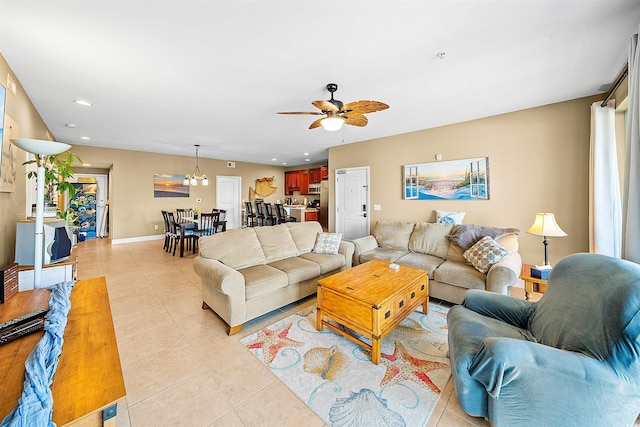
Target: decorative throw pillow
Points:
(485, 253)
(465, 235)
(327, 243)
(452, 218)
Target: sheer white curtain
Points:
(631, 194)
(605, 211)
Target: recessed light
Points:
(307, 160)
(274, 160)
(284, 163)
(83, 102)
(306, 154)
(86, 138)
(70, 125)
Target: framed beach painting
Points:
(169, 185)
(466, 179)
(8, 156)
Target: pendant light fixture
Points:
(193, 178)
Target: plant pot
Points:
(50, 210)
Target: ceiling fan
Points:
(338, 113)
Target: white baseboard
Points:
(137, 239)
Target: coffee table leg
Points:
(319, 325)
(425, 305)
(375, 351)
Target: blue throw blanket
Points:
(35, 406)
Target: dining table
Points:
(190, 223)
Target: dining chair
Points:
(221, 226)
(281, 213)
(182, 214)
(174, 229)
(269, 215)
(167, 234)
(208, 224)
(260, 217)
(249, 216)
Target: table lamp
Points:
(545, 225)
(39, 148)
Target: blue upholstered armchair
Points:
(571, 359)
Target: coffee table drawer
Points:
(347, 309)
(419, 291)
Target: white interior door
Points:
(228, 197)
(352, 202)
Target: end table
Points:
(531, 284)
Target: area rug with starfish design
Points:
(336, 379)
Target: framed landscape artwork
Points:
(169, 185)
(8, 156)
(466, 179)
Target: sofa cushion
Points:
(459, 274)
(485, 253)
(431, 239)
(393, 235)
(237, 248)
(384, 254)
(276, 242)
(423, 261)
(466, 235)
(262, 279)
(304, 234)
(327, 262)
(297, 269)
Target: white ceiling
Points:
(165, 75)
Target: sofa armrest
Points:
(362, 245)
(347, 248)
(504, 274)
(505, 308)
(224, 279)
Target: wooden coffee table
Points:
(371, 299)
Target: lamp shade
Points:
(545, 225)
(40, 146)
(332, 123)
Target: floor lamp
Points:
(40, 148)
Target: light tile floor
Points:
(180, 367)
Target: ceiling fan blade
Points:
(314, 113)
(316, 124)
(325, 106)
(355, 119)
(362, 107)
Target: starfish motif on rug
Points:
(401, 366)
(271, 341)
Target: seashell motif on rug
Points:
(335, 377)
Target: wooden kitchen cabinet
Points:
(312, 216)
(315, 176)
(303, 181)
(292, 182)
(324, 173)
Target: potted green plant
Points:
(58, 170)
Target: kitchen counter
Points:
(299, 211)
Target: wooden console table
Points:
(88, 382)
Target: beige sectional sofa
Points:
(248, 272)
(434, 247)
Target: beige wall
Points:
(134, 211)
(12, 205)
(538, 161)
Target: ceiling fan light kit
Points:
(332, 124)
(337, 113)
